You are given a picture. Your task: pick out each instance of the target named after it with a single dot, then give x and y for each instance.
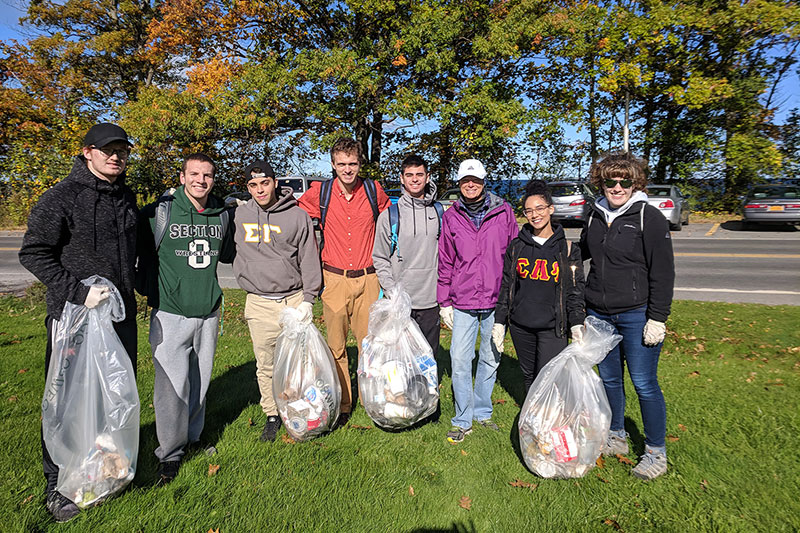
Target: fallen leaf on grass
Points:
(682, 427)
(673, 438)
(465, 503)
(704, 484)
(12, 398)
(249, 421)
(624, 460)
(500, 401)
(212, 469)
(612, 523)
(22, 370)
(523, 484)
(604, 480)
(693, 374)
(411, 490)
(362, 428)
(14, 342)
(464, 452)
(213, 530)
(27, 500)
(287, 439)
(601, 463)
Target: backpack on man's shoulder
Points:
(325, 191)
(394, 224)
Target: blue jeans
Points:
(642, 366)
(472, 403)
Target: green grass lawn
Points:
(730, 374)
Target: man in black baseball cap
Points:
(84, 226)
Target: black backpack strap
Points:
(324, 200)
(372, 196)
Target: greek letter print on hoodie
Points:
(188, 257)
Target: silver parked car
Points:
(672, 204)
(448, 197)
(571, 200)
(772, 203)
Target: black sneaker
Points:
(61, 507)
(271, 428)
(167, 472)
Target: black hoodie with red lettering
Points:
(542, 286)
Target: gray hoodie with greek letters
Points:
(276, 251)
(415, 262)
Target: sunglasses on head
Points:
(611, 183)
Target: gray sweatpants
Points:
(183, 356)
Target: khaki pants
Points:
(262, 315)
(345, 304)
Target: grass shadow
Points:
(509, 376)
(636, 436)
(455, 528)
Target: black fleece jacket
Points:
(540, 289)
(81, 227)
(630, 267)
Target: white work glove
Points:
(446, 316)
(498, 336)
(654, 332)
(97, 295)
(577, 333)
(306, 312)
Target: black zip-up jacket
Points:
(630, 267)
(554, 298)
(80, 227)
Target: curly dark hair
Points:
(537, 188)
(623, 165)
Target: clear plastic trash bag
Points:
(397, 378)
(565, 419)
(90, 409)
(304, 382)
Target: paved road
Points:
(713, 263)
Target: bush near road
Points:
(730, 373)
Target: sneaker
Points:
(167, 472)
(489, 424)
(457, 434)
(271, 428)
(61, 507)
(616, 444)
(651, 465)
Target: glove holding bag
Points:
(566, 416)
(90, 409)
(397, 376)
(304, 382)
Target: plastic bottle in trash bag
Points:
(565, 419)
(304, 383)
(397, 378)
(90, 409)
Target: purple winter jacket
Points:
(470, 259)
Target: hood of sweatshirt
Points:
(526, 236)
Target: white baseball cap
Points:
(471, 167)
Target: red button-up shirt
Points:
(349, 225)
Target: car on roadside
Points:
(299, 184)
(671, 202)
(571, 200)
(449, 197)
(771, 204)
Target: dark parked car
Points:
(571, 200)
(772, 204)
(672, 204)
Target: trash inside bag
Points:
(304, 383)
(90, 409)
(565, 419)
(397, 378)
